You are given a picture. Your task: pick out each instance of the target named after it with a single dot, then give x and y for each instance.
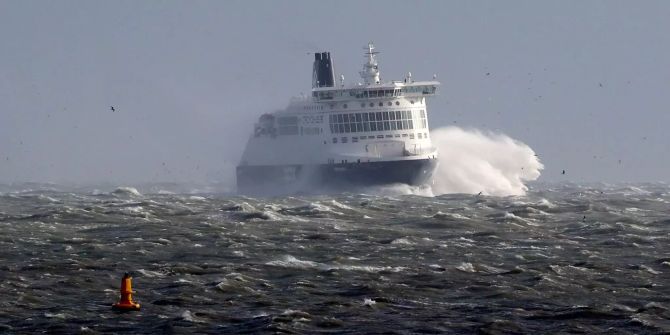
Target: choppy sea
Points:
(565, 258)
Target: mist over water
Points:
(472, 161)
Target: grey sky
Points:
(584, 83)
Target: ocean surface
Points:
(564, 258)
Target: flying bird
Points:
(563, 172)
(112, 108)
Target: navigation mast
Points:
(370, 72)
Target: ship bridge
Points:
(324, 89)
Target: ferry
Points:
(343, 136)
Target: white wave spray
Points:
(472, 161)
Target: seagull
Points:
(112, 108)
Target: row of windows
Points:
(365, 94)
(355, 139)
(372, 121)
(310, 131)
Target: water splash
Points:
(472, 161)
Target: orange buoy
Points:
(126, 302)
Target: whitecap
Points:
(340, 205)
(545, 203)
(650, 270)
(187, 316)
(127, 191)
(403, 240)
(150, 274)
(368, 268)
(466, 267)
(292, 262)
(368, 302)
(55, 315)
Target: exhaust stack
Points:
(323, 73)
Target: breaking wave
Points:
(472, 161)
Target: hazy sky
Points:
(586, 84)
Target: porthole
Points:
(412, 102)
(397, 103)
(390, 103)
(362, 105)
(381, 104)
(372, 104)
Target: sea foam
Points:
(473, 161)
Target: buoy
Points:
(126, 302)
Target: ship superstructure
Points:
(368, 133)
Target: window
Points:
(397, 103)
(381, 104)
(389, 136)
(389, 103)
(404, 135)
(424, 122)
(372, 104)
(354, 139)
(363, 105)
(420, 135)
(344, 140)
(334, 139)
(344, 106)
(411, 136)
(288, 125)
